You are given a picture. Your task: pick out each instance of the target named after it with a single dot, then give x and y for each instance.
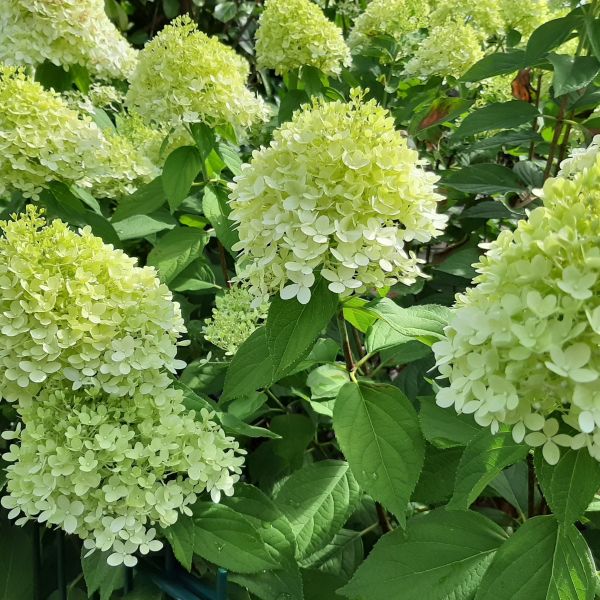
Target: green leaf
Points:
(500, 63)
(498, 115)
(205, 139)
(436, 482)
(175, 251)
(505, 139)
(216, 210)
(317, 500)
(181, 537)
(232, 424)
(231, 158)
(488, 209)
(541, 561)
(483, 179)
(572, 73)
(378, 431)
(325, 381)
(230, 540)
(100, 576)
(225, 11)
(424, 322)
(139, 226)
(16, 558)
(179, 172)
(445, 429)
(460, 263)
(548, 36)
(143, 201)
(342, 555)
(251, 368)
(357, 315)
(592, 30)
(484, 457)
(570, 485)
(381, 336)
(442, 555)
(292, 328)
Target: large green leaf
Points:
(486, 178)
(498, 115)
(100, 576)
(548, 36)
(442, 555)
(179, 172)
(341, 556)
(444, 428)
(570, 485)
(484, 457)
(491, 65)
(378, 431)
(216, 210)
(572, 73)
(317, 500)
(176, 250)
(16, 560)
(145, 200)
(541, 561)
(292, 328)
(139, 226)
(181, 537)
(230, 540)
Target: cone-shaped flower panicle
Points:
(523, 346)
(294, 33)
(74, 308)
(339, 191)
(65, 32)
(183, 75)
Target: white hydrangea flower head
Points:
(73, 307)
(233, 319)
(522, 348)
(449, 51)
(486, 16)
(580, 159)
(185, 76)
(42, 139)
(111, 470)
(296, 33)
(339, 191)
(395, 18)
(525, 17)
(65, 32)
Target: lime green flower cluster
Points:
(525, 17)
(42, 140)
(295, 33)
(109, 469)
(106, 449)
(486, 16)
(395, 18)
(495, 89)
(185, 76)
(338, 190)
(233, 319)
(449, 50)
(65, 32)
(522, 347)
(73, 306)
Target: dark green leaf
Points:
(505, 139)
(143, 201)
(546, 37)
(445, 429)
(500, 63)
(460, 263)
(179, 172)
(225, 11)
(483, 179)
(484, 457)
(442, 555)
(570, 485)
(572, 73)
(541, 561)
(216, 210)
(16, 558)
(205, 139)
(139, 226)
(181, 537)
(488, 209)
(436, 482)
(378, 431)
(100, 576)
(499, 115)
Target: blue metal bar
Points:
(221, 584)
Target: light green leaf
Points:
(498, 115)
(175, 251)
(442, 555)
(179, 172)
(325, 381)
(139, 226)
(570, 485)
(484, 457)
(230, 540)
(541, 561)
(317, 500)
(378, 431)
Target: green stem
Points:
(555, 138)
(350, 366)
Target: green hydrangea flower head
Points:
(42, 139)
(74, 308)
(486, 16)
(233, 319)
(338, 191)
(295, 33)
(449, 51)
(522, 348)
(185, 76)
(110, 470)
(65, 32)
(398, 19)
(525, 17)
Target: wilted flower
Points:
(338, 190)
(233, 320)
(448, 51)
(185, 76)
(522, 347)
(65, 32)
(395, 18)
(73, 307)
(109, 469)
(294, 33)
